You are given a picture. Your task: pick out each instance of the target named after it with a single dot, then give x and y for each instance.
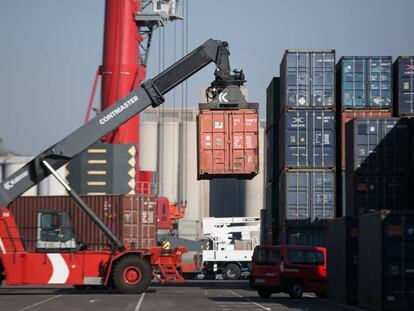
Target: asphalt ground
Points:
(192, 295)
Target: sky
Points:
(50, 49)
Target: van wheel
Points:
(131, 275)
(232, 272)
(264, 293)
(296, 290)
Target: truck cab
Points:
(290, 269)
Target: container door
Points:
(244, 132)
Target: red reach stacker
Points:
(129, 270)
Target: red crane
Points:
(125, 55)
(122, 71)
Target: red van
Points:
(289, 269)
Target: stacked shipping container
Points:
(307, 146)
(404, 86)
(272, 158)
(370, 255)
(364, 91)
(386, 260)
(378, 162)
(132, 218)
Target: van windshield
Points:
(267, 256)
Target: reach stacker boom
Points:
(129, 270)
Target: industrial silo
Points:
(254, 189)
(51, 186)
(13, 163)
(148, 146)
(168, 158)
(195, 192)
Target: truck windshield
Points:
(267, 256)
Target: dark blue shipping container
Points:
(404, 86)
(365, 82)
(307, 79)
(307, 139)
(386, 261)
(372, 193)
(306, 197)
(378, 146)
(342, 266)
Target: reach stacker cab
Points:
(58, 258)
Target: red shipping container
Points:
(228, 143)
(132, 218)
(348, 115)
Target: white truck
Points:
(231, 244)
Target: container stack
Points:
(307, 158)
(386, 260)
(364, 91)
(272, 159)
(369, 248)
(378, 158)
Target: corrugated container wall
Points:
(272, 204)
(228, 143)
(404, 86)
(347, 116)
(306, 197)
(273, 103)
(386, 260)
(365, 82)
(303, 236)
(371, 193)
(307, 139)
(132, 218)
(379, 164)
(272, 129)
(342, 266)
(378, 146)
(307, 79)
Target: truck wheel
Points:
(296, 290)
(131, 275)
(264, 293)
(232, 272)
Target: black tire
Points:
(232, 272)
(131, 275)
(263, 293)
(296, 290)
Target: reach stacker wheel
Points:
(131, 275)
